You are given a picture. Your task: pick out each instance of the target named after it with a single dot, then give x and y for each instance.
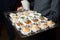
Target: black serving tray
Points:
(6, 14)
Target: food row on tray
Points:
(30, 22)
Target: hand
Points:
(19, 8)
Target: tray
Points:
(17, 30)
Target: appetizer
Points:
(22, 18)
(50, 23)
(25, 30)
(31, 14)
(35, 20)
(28, 22)
(37, 15)
(19, 24)
(26, 13)
(12, 14)
(43, 25)
(42, 18)
(18, 14)
(35, 28)
(14, 20)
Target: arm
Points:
(55, 10)
(54, 13)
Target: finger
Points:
(19, 8)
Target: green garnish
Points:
(36, 14)
(41, 16)
(22, 17)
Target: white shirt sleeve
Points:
(25, 4)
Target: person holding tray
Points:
(7, 6)
(49, 9)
